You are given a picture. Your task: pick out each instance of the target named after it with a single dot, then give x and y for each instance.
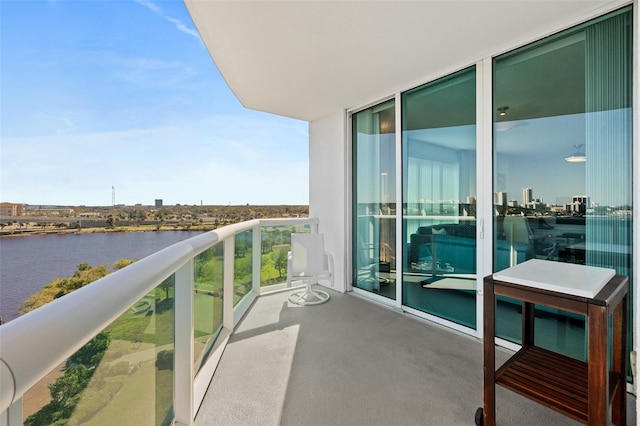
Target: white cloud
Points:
(151, 72)
(224, 159)
(180, 26)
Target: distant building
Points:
(500, 198)
(50, 211)
(578, 204)
(582, 199)
(536, 204)
(11, 209)
(158, 202)
(527, 196)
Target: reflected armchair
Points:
(369, 268)
(517, 229)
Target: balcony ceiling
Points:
(308, 59)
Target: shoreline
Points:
(142, 228)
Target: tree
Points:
(121, 263)
(267, 244)
(90, 354)
(280, 260)
(166, 285)
(84, 274)
(73, 382)
(111, 221)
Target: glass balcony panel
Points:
(124, 375)
(208, 280)
(276, 244)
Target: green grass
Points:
(136, 403)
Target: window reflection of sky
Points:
(527, 154)
(530, 154)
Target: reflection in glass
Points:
(242, 266)
(124, 375)
(374, 210)
(208, 280)
(439, 197)
(562, 162)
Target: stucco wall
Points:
(327, 187)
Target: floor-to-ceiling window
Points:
(562, 178)
(374, 208)
(439, 198)
(562, 162)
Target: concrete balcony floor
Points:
(353, 362)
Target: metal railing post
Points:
(183, 351)
(257, 258)
(12, 415)
(228, 289)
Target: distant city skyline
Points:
(124, 94)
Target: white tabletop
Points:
(568, 278)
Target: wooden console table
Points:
(583, 391)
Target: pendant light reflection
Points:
(578, 156)
(502, 111)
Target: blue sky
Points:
(123, 93)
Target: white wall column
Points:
(329, 189)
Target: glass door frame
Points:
(484, 181)
(350, 196)
(484, 185)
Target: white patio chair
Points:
(309, 262)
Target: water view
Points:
(29, 263)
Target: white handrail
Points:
(34, 344)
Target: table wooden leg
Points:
(528, 324)
(489, 355)
(598, 368)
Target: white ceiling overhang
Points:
(307, 59)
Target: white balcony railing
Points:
(161, 323)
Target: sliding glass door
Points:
(562, 162)
(439, 198)
(374, 207)
(558, 178)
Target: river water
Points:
(29, 263)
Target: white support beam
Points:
(399, 215)
(484, 161)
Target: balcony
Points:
(164, 325)
(350, 361)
